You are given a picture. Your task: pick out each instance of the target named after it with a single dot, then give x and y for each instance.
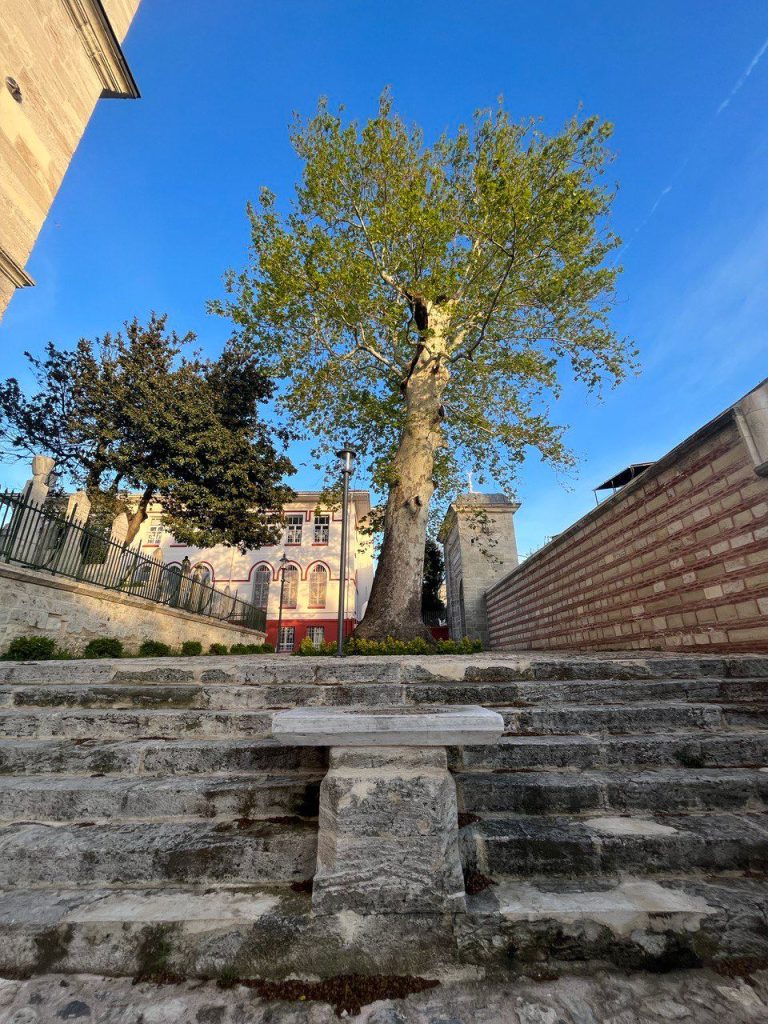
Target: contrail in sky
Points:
(750, 68)
(665, 191)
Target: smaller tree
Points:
(133, 413)
(432, 605)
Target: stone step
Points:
(132, 724)
(226, 696)
(156, 757)
(490, 667)
(666, 790)
(228, 850)
(531, 845)
(569, 719)
(192, 696)
(72, 798)
(257, 931)
(588, 692)
(733, 749)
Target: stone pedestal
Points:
(388, 839)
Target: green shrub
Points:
(190, 648)
(31, 648)
(218, 649)
(154, 649)
(103, 647)
(420, 645)
(238, 649)
(267, 648)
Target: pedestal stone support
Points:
(388, 838)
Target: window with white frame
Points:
(294, 523)
(316, 635)
(155, 531)
(318, 585)
(286, 639)
(290, 586)
(262, 577)
(322, 528)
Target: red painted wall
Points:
(302, 625)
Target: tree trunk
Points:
(394, 608)
(138, 517)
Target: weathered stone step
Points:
(493, 667)
(256, 931)
(746, 748)
(594, 691)
(665, 790)
(132, 724)
(200, 852)
(254, 696)
(155, 757)
(71, 798)
(611, 718)
(192, 696)
(530, 845)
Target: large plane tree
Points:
(424, 302)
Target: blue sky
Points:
(152, 210)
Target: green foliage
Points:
(218, 649)
(434, 576)
(191, 648)
(252, 649)
(482, 258)
(31, 648)
(103, 647)
(135, 411)
(356, 645)
(154, 649)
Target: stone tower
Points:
(478, 536)
(57, 58)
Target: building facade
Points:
(478, 537)
(57, 58)
(311, 544)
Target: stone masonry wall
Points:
(676, 560)
(72, 613)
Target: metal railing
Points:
(42, 537)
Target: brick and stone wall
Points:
(676, 560)
(72, 613)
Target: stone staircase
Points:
(150, 826)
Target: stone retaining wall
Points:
(72, 613)
(676, 560)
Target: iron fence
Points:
(42, 537)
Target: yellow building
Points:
(57, 59)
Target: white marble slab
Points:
(453, 726)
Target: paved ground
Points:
(692, 997)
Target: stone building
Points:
(478, 536)
(312, 545)
(57, 59)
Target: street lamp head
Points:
(346, 454)
(283, 558)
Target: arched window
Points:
(291, 587)
(262, 577)
(318, 584)
(202, 574)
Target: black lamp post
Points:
(283, 563)
(346, 455)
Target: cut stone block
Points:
(392, 727)
(388, 839)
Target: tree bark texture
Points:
(394, 607)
